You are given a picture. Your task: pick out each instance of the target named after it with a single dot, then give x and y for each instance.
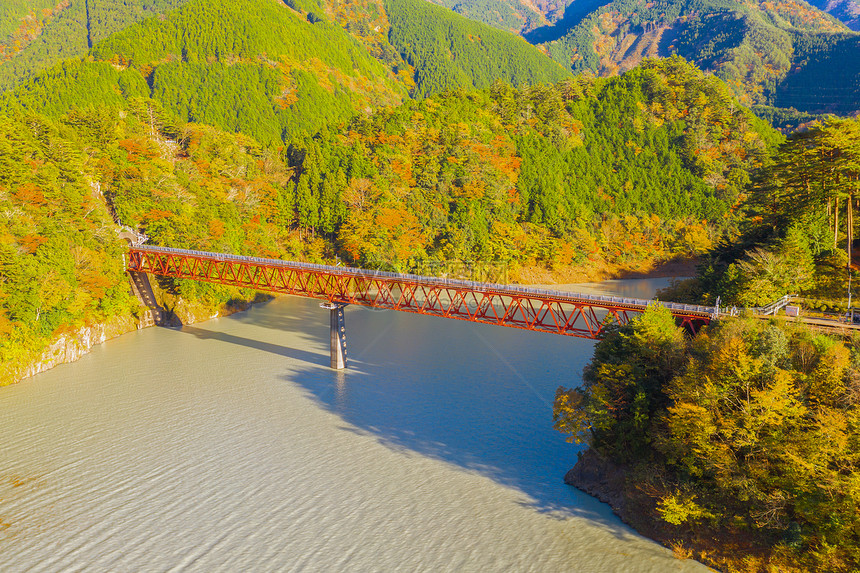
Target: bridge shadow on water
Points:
(303, 321)
(474, 396)
(295, 353)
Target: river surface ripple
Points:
(231, 446)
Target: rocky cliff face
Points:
(72, 346)
(600, 478)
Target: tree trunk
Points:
(850, 225)
(835, 221)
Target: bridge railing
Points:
(773, 307)
(633, 303)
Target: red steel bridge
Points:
(569, 314)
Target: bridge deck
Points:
(572, 314)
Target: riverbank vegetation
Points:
(739, 447)
(64, 187)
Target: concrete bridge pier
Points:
(338, 334)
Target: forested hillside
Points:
(798, 226)
(450, 52)
(254, 67)
(22, 20)
(750, 46)
(190, 185)
(829, 77)
(63, 29)
(274, 72)
(737, 447)
(432, 50)
(601, 174)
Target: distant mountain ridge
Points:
(511, 15)
(847, 11)
(769, 52)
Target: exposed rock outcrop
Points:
(73, 345)
(600, 478)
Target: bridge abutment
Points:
(338, 334)
(142, 289)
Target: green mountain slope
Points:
(826, 77)
(602, 173)
(61, 260)
(432, 49)
(449, 51)
(76, 27)
(273, 71)
(20, 19)
(256, 67)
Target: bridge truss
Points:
(556, 312)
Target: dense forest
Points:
(591, 172)
(275, 53)
(827, 79)
(450, 52)
(740, 446)
(66, 29)
(272, 72)
(64, 186)
(755, 49)
(797, 229)
(21, 21)
(267, 71)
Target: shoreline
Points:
(608, 482)
(73, 345)
(678, 267)
(633, 497)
